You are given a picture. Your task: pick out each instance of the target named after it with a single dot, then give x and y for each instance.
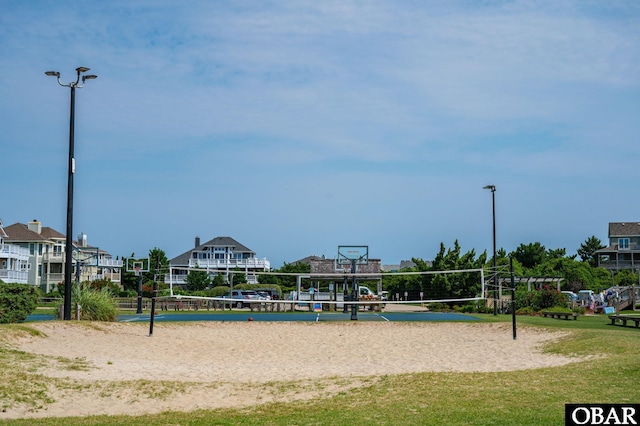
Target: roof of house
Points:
(623, 229)
(21, 232)
(183, 259)
(307, 260)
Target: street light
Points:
(72, 168)
(492, 188)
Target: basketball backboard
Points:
(137, 265)
(349, 254)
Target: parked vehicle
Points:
(585, 297)
(239, 297)
(365, 292)
(263, 295)
(571, 295)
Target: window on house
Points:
(32, 249)
(623, 243)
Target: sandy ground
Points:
(117, 368)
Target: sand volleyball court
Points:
(116, 368)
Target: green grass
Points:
(531, 397)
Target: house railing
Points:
(620, 264)
(9, 276)
(180, 279)
(53, 257)
(11, 250)
(109, 263)
(53, 278)
(252, 263)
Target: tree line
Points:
(529, 260)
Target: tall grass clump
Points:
(96, 304)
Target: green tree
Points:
(587, 250)
(197, 280)
(452, 284)
(218, 280)
(286, 281)
(128, 279)
(602, 279)
(399, 284)
(157, 259)
(626, 278)
(556, 253)
(238, 277)
(530, 255)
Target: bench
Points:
(623, 319)
(563, 315)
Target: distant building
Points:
(623, 251)
(404, 264)
(14, 266)
(220, 255)
(46, 256)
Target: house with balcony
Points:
(220, 255)
(92, 263)
(47, 256)
(14, 261)
(623, 251)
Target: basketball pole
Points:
(345, 294)
(354, 292)
(139, 310)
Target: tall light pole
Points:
(71, 171)
(492, 188)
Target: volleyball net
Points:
(330, 291)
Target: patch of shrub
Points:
(525, 311)
(437, 307)
(17, 302)
(465, 309)
(538, 300)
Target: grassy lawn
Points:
(533, 397)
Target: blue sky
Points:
(295, 127)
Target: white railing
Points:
(53, 278)
(110, 263)
(180, 279)
(57, 256)
(13, 251)
(253, 263)
(9, 276)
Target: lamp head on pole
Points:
(82, 69)
(491, 187)
(52, 73)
